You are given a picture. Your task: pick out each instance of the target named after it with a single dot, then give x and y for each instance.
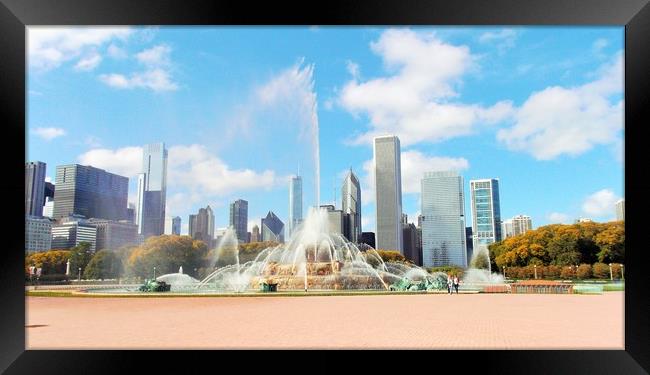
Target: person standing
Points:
(456, 281)
(449, 283)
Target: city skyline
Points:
(138, 108)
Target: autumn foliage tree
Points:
(50, 262)
(167, 253)
(562, 245)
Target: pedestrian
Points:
(456, 283)
(449, 283)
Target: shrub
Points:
(600, 271)
(567, 272)
(553, 272)
(584, 272)
(617, 270)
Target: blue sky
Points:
(540, 108)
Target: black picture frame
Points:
(16, 14)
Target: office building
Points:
(239, 219)
(620, 210)
(336, 219)
(173, 225)
(34, 188)
(201, 226)
(469, 241)
(38, 234)
(295, 204)
(486, 211)
(89, 192)
(388, 193)
(351, 206)
(111, 235)
(152, 191)
(255, 234)
(443, 221)
(48, 208)
(272, 228)
(412, 248)
(368, 238)
(130, 213)
(583, 220)
(73, 230)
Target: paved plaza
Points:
(465, 321)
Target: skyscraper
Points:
(239, 219)
(90, 192)
(152, 191)
(336, 219)
(34, 188)
(201, 226)
(620, 210)
(73, 230)
(516, 226)
(173, 225)
(38, 234)
(486, 211)
(388, 193)
(295, 204)
(443, 220)
(351, 205)
(255, 234)
(272, 228)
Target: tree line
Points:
(562, 245)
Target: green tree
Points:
(480, 261)
(80, 255)
(105, 264)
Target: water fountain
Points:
(476, 277)
(312, 259)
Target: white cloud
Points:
(600, 204)
(558, 120)
(353, 69)
(413, 166)
(48, 134)
(598, 47)
(49, 47)
(116, 52)
(48, 179)
(155, 79)
(558, 218)
(155, 56)
(156, 76)
(414, 103)
(504, 39)
(368, 222)
(193, 167)
(125, 161)
(89, 62)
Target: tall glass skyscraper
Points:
(152, 191)
(351, 205)
(34, 188)
(91, 192)
(388, 193)
(486, 212)
(239, 219)
(201, 226)
(295, 204)
(443, 220)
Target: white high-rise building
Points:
(620, 210)
(152, 191)
(295, 204)
(388, 193)
(443, 220)
(516, 226)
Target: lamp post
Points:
(79, 274)
(154, 273)
(535, 268)
(611, 275)
(504, 272)
(622, 273)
